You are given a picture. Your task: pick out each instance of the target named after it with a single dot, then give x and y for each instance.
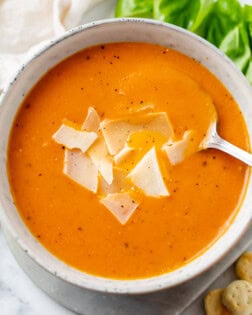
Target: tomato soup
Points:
(164, 233)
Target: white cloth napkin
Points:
(26, 23)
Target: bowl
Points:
(67, 285)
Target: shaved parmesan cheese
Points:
(80, 168)
(121, 205)
(98, 152)
(179, 150)
(148, 177)
(73, 138)
(92, 121)
(103, 161)
(158, 122)
(117, 131)
(120, 183)
(123, 154)
(123, 142)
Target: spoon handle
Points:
(219, 143)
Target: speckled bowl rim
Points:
(139, 286)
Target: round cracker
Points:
(237, 297)
(243, 267)
(213, 304)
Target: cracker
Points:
(237, 297)
(243, 267)
(213, 303)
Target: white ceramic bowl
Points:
(70, 286)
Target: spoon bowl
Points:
(213, 140)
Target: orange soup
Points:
(199, 197)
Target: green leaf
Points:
(248, 19)
(134, 8)
(218, 18)
(247, 13)
(179, 12)
(248, 72)
(206, 6)
(236, 46)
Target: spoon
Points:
(214, 141)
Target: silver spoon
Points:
(214, 141)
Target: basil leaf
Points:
(181, 13)
(134, 8)
(219, 17)
(236, 46)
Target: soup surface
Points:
(120, 79)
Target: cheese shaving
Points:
(103, 161)
(80, 168)
(98, 151)
(92, 121)
(121, 205)
(72, 138)
(120, 183)
(179, 150)
(148, 177)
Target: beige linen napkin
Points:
(25, 24)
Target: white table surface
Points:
(18, 294)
